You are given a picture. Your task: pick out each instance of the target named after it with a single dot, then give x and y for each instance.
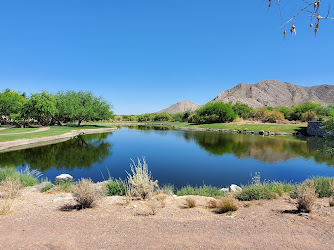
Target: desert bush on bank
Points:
(85, 193)
(267, 190)
(115, 187)
(9, 190)
(225, 205)
(190, 202)
(140, 182)
(205, 190)
(306, 196)
(323, 186)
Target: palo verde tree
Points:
(317, 10)
(11, 104)
(81, 106)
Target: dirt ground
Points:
(39, 221)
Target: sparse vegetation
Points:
(85, 193)
(9, 190)
(115, 187)
(225, 205)
(190, 202)
(26, 177)
(323, 186)
(306, 196)
(205, 190)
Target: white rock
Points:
(235, 188)
(224, 190)
(63, 178)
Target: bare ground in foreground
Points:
(38, 222)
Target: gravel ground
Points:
(39, 222)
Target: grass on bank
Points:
(205, 190)
(26, 177)
(54, 130)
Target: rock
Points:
(63, 178)
(234, 188)
(224, 190)
(304, 214)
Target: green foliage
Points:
(205, 190)
(308, 116)
(26, 177)
(274, 116)
(162, 117)
(323, 186)
(145, 117)
(298, 110)
(242, 110)
(11, 105)
(178, 117)
(328, 127)
(325, 111)
(214, 112)
(41, 107)
(267, 190)
(260, 113)
(115, 187)
(285, 110)
(47, 186)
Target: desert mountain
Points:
(275, 93)
(182, 106)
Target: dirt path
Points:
(35, 131)
(42, 141)
(38, 223)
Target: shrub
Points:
(260, 113)
(274, 116)
(306, 196)
(27, 177)
(308, 116)
(331, 201)
(9, 190)
(242, 110)
(323, 186)
(115, 187)
(205, 190)
(225, 205)
(85, 193)
(46, 186)
(166, 189)
(212, 203)
(214, 112)
(140, 182)
(190, 202)
(267, 190)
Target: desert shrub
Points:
(214, 112)
(205, 190)
(306, 196)
(331, 201)
(115, 187)
(166, 189)
(299, 110)
(85, 193)
(190, 202)
(285, 110)
(274, 116)
(259, 113)
(212, 203)
(46, 186)
(162, 117)
(267, 190)
(308, 116)
(225, 205)
(242, 110)
(9, 190)
(140, 182)
(323, 186)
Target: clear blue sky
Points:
(144, 55)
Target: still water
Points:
(179, 157)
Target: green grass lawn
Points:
(54, 130)
(16, 130)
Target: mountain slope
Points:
(182, 106)
(275, 93)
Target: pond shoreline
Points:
(47, 140)
(234, 131)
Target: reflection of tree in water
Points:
(262, 148)
(80, 152)
(147, 129)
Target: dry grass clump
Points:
(190, 202)
(212, 203)
(9, 190)
(331, 201)
(85, 193)
(225, 205)
(306, 196)
(140, 182)
(161, 198)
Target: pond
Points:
(179, 157)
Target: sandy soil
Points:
(38, 222)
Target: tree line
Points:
(47, 109)
(218, 112)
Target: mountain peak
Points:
(181, 106)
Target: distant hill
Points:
(182, 106)
(275, 93)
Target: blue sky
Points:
(143, 56)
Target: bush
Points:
(140, 182)
(85, 193)
(204, 190)
(308, 116)
(274, 116)
(27, 177)
(162, 117)
(214, 112)
(9, 190)
(268, 190)
(225, 205)
(323, 186)
(46, 186)
(242, 110)
(115, 187)
(306, 196)
(190, 202)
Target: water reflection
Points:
(80, 152)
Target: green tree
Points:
(82, 106)
(242, 110)
(298, 110)
(214, 112)
(41, 107)
(11, 105)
